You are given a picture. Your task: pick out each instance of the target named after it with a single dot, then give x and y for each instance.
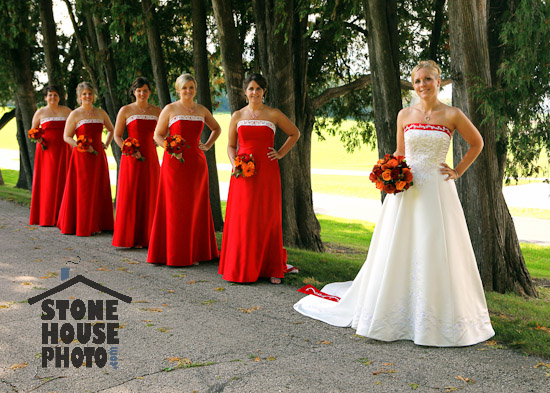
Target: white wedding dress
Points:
(420, 280)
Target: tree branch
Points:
(358, 84)
(339, 91)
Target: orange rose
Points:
(386, 175)
(380, 185)
(400, 185)
(392, 163)
(373, 177)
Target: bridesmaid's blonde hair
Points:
(183, 79)
(429, 64)
(84, 86)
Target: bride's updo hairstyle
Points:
(430, 65)
(84, 86)
(258, 78)
(182, 80)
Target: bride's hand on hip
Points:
(451, 173)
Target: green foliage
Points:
(518, 100)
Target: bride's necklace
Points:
(426, 115)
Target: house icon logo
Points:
(92, 324)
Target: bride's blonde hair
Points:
(429, 64)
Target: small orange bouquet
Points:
(244, 166)
(392, 174)
(174, 145)
(130, 146)
(35, 134)
(83, 143)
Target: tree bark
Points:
(439, 6)
(24, 179)
(155, 51)
(200, 64)
(498, 254)
(231, 53)
(384, 62)
(53, 65)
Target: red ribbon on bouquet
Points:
(311, 290)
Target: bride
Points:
(420, 281)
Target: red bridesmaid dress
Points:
(252, 244)
(87, 206)
(183, 229)
(50, 171)
(137, 186)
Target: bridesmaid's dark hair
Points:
(258, 78)
(53, 88)
(139, 82)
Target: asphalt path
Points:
(188, 330)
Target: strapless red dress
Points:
(137, 186)
(87, 205)
(252, 244)
(50, 171)
(183, 229)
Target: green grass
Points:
(530, 212)
(10, 193)
(521, 323)
(537, 259)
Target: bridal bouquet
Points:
(130, 146)
(244, 166)
(174, 145)
(83, 143)
(35, 134)
(392, 174)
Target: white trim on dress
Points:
(140, 117)
(184, 117)
(47, 119)
(266, 123)
(87, 121)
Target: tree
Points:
(499, 257)
(53, 65)
(200, 60)
(18, 34)
(384, 63)
(155, 51)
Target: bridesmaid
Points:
(139, 174)
(252, 244)
(183, 229)
(51, 163)
(87, 206)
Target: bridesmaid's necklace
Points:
(143, 110)
(190, 110)
(254, 116)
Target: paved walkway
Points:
(188, 330)
(534, 195)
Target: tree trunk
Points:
(231, 51)
(200, 64)
(283, 57)
(20, 57)
(25, 162)
(155, 52)
(53, 65)
(501, 263)
(384, 63)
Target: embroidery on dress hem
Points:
(88, 121)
